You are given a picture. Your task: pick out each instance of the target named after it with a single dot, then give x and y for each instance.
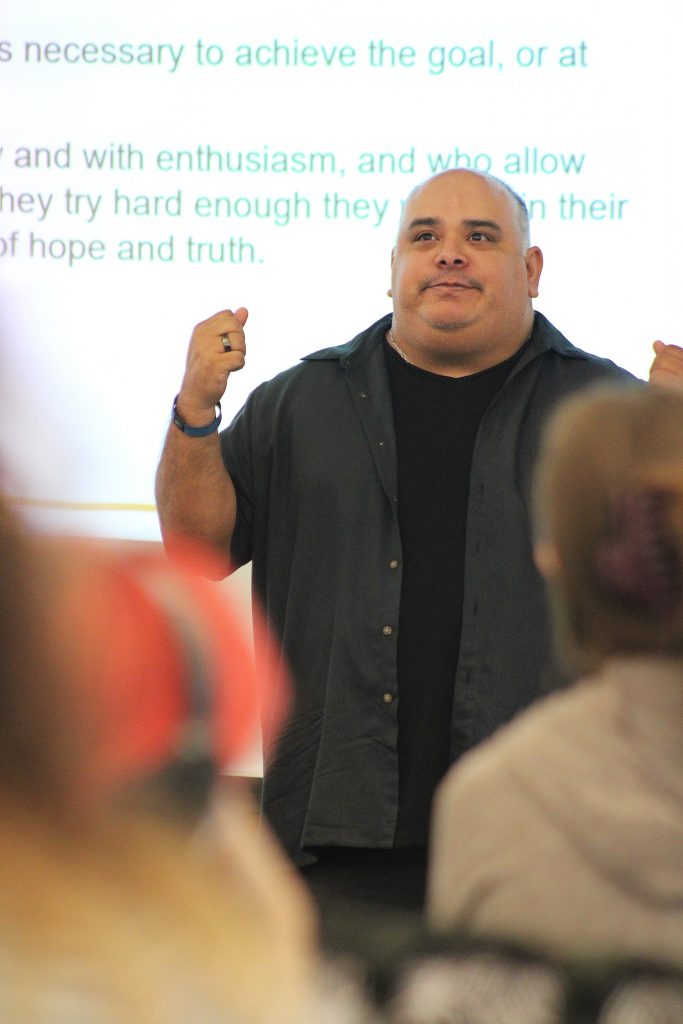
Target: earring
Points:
(389, 292)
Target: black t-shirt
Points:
(436, 421)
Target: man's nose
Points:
(451, 254)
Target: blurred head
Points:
(120, 669)
(609, 523)
(41, 745)
(171, 689)
(117, 671)
(463, 273)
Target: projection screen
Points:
(159, 162)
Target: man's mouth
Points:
(452, 285)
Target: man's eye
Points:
(425, 236)
(479, 236)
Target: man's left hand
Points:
(667, 366)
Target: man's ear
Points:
(534, 266)
(547, 559)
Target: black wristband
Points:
(195, 431)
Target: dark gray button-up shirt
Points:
(313, 458)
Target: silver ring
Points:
(227, 347)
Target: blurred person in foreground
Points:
(566, 828)
(114, 906)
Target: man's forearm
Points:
(194, 493)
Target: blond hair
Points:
(109, 913)
(608, 497)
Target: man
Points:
(381, 489)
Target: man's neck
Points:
(461, 361)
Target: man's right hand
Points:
(210, 363)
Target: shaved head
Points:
(522, 210)
(463, 273)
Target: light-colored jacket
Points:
(565, 829)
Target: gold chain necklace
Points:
(390, 339)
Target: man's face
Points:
(462, 277)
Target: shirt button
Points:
(387, 630)
(393, 564)
(387, 698)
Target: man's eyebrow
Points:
(474, 224)
(423, 222)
